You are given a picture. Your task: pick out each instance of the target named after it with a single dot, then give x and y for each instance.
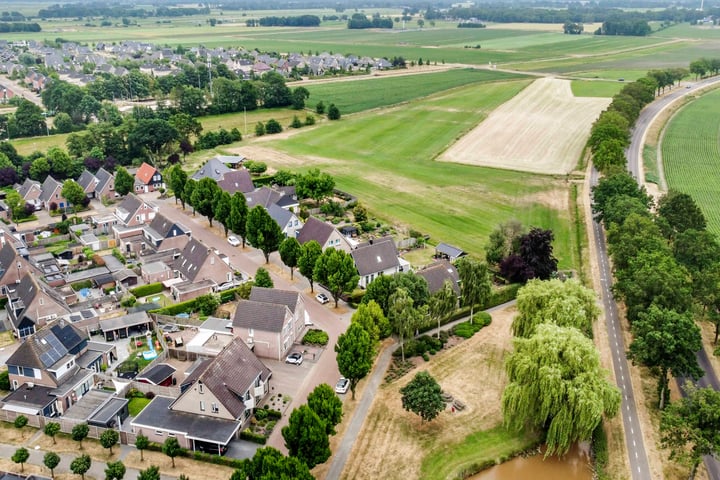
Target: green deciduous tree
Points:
(613, 185)
(566, 304)
(372, 319)
(115, 470)
(263, 232)
(475, 283)
(262, 278)
(21, 456)
(690, 427)
(109, 438)
(237, 221)
(336, 270)
(124, 182)
(51, 460)
(73, 192)
(290, 252)
(503, 241)
(311, 251)
(79, 433)
(326, 404)
(314, 184)
(442, 303)
(39, 169)
(268, 463)
(556, 383)
(221, 209)
(354, 350)
(203, 196)
(172, 449)
(681, 212)
(333, 112)
(20, 421)
(666, 340)
(142, 443)
(176, 179)
(51, 429)
(305, 437)
(150, 473)
(80, 465)
(423, 396)
(403, 316)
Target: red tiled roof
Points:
(145, 173)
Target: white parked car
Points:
(342, 385)
(295, 358)
(233, 240)
(322, 298)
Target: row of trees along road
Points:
(667, 267)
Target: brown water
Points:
(573, 466)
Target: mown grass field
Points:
(691, 155)
(597, 88)
(394, 173)
(356, 96)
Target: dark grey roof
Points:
(232, 373)
(108, 411)
(236, 181)
(36, 397)
(264, 196)
(158, 415)
(280, 215)
(157, 374)
(85, 406)
(260, 316)
(131, 320)
(213, 168)
(128, 207)
(193, 257)
(376, 257)
(436, 274)
(112, 263)
(165, 228)
(48, 188)
(86, 180)
(288, 298)
(315, 229)
(27, 185)
(287, 201)
(88, 274)
(7, 258)
(198, 368)
(103, 177)
(449, 250)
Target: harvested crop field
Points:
(542, 130)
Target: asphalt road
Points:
(639, 466)
(634, 158)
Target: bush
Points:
(273, 126)
(182, 307)
(467, 330)
(149, 395)
(259, 129)
(20, 421)
(315, 336)
(128, 301)
(5, 380)
(149, 289)
(320, 108)
(332, 208)
(333, 112)
(422, 345)
(207, 304)
(296, 123)
(310, 120)
(253, 437)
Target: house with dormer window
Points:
(148, 179)
(51, 195)
(323, 233)
(375, 258)
(134, 211)
(31, 304)
(217, 401)
(201, 269)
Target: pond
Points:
(573, 466)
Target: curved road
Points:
(639, 466)
(634, 157)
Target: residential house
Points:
(200, 265)
(31, 305)
(31, 191)
(105, 187)
(88, 182)
(374, 258)
(270, 321)
(213, 168)
(12, 266)
(289, 223)
(161, 232)
(134, 211)
(323, 233)
(51, 195)
(148, 179)
(48, 361)
(155, 272)
(236, 181)
(438, 273)
(218, 401)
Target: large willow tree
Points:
(557, 384)
(567, 304)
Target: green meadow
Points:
(691, 155)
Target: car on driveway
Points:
(342, 385)
(295, 358)
(233, 240)
(322, 298)
(170, 328)
(228, 285)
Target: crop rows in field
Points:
(691, 155)
(359, 95)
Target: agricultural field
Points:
(541, 130)
(691, 155)
(599, 88)
(395, 175)
(356, 96)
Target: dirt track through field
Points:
(541, 130)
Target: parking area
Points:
(287, 379)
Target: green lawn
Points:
(595, 88)
(395, 175)
(480, 448)
(26, 146)
(691, 155)
(136, 405)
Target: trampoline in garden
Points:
(128, 369)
